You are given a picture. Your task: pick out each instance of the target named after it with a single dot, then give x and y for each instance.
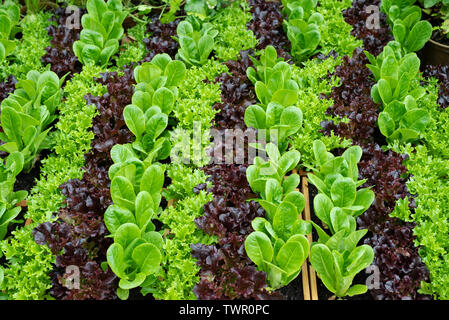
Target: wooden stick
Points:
(305, 269)
(312, 274)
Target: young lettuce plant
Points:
(398, 91)
(408, 28)
(279, 122)
(336, 258)
(196, 40)
(136, 254)
(278, 245)
(27, 113)
(9, 169)
(9, 18)
(102, 31)
(302, 27)
(152, 102)
(337, 181)
(403, 121)
(272, 78)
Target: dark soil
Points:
(26, 181)
(294, 290)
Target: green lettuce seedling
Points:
(302, 27)
(278, 245)
(27, 113)
(336, 179)
(102, 31)
(279, 121)
(272, 78)
(401, 119)
(9, 18)
(408, 28)
(152, 102)
(338, 259)
(9, 169)
(196, 41)
(136, 253)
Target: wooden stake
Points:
(307, 216)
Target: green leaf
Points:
(135, 120)
(115, 257)
(122, 193)
(165, 99)
(283, 220)
(343, 192)
(356, 290)
(175, 73)
(290, 183)
(359, 259)
(322, 261)
(147, 257)
(153, 179)
(291, 256)
(126, 234)
(418, 36)
(319, 151)
(285, 97)
(255, 117)
(259, 248)
(323, 206)
(386, 124)
(116, 216)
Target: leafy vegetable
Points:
(302, 27)
(135, 255)
(336, 258)
(273, 79)
(153, 100)
(196, 40)
(9, 169)
(27, 113)
(278, 245)
(337, 180)
(9, 18)
(102, 30)
(279, 121)
(401, 120)
(408, 28)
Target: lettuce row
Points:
(428, 165)
(25, 119)
(302, 27)
(137, 178)
(278, 245)
(313, 81)
(102, 31)
(9, 18)
(29, 50)
(181, 269)
(194, 104)
(396, 71)
(277, 91)
(337, 258)
(26, 270)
